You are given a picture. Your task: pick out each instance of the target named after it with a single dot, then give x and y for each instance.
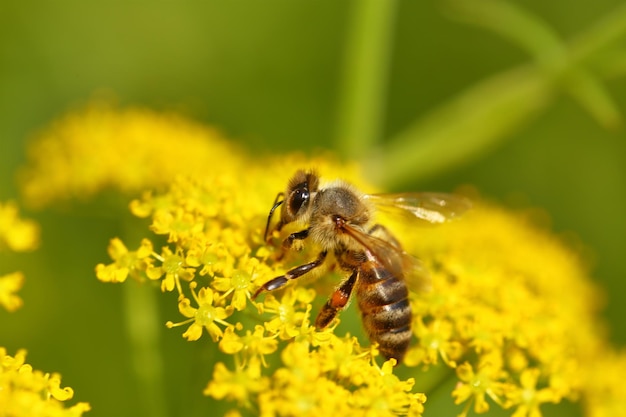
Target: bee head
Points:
(300, 190)
(295, 200)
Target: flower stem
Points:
(363, 85)
(493, 110)
(142, 326)
(466, 126)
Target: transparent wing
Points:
(431, 208)
(393, 258)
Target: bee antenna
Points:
(277, 202)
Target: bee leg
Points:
(336, 302)
(288, 242)
(301, 235)
(277, 202)
(298, 271)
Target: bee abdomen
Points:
(386, 312)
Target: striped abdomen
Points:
(384, 303)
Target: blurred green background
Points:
(271, 74)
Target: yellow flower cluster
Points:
(320, 373)
(511, 314)
(102, 147)
(214, 260)
(511, 310)
(17, 235)
(605, 391)
(512, 306)
(25, 391)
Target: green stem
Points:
(605, 32)
(474, 121)
(365, 73)
(493, 110)
(143, 328)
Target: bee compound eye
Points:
(298, 199)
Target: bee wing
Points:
(392, 257)
(433, 208)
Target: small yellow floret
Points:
(16, 234)
(9, 285)
(25, 392)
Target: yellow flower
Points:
(529, 397)
(495, 277)
(287, 316)
(133, 263)
(387, 395)
(235, 386)
(308, 385)
(301, 387)
(100, 147)
(17, 235)
(9, 285)
(25, 392)
(253, 347)
(172, 269)
(509, 290)
(477, 386)
(511, 314)
(207, 315)
(605, 390)
(434, 341)
(239, 283)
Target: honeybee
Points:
(339, 218)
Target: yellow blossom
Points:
(214, 258)
(605, 390)
(126, 262)
(172, 270)
(434, 341)
(529, 396)
(239, 386)
(473, 314)
(512, 312)
(26, 392)
(16, 234)
(252, 347)
(9, 285)
(509, 289)
(239, 283)
(101, 146)
(207, 315)
(477, 386)
(307, 386)
(286, 316)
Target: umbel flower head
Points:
(101, 147)
(26, 392)
(511, 316)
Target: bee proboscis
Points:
(339, 218)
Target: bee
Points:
(339, 218)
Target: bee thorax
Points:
(334, 208)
